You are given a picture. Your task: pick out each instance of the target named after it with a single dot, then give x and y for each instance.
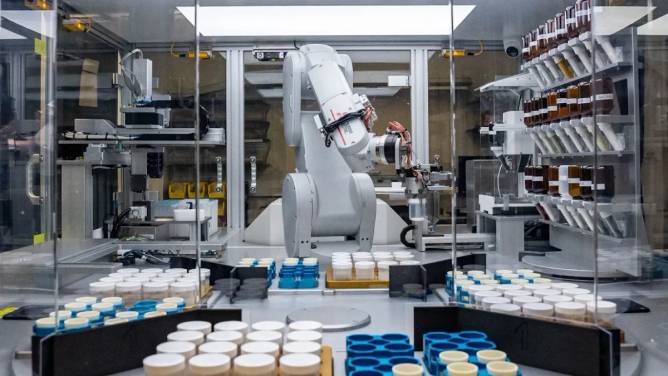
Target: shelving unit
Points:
(576, 237)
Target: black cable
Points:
(403, 234)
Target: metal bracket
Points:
(253, 171)
(219, 174)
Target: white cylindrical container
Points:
(176, 271)
(126, 271)
(46, 323)
(209, 365)
(141, 278)
(522, 300)
(501, 272)
(564, 285)
(254, 365)
(299, 365)
(155, 290)
(152, 314)
(151, 271)
(362, 256)
(90, 315)
(76, 323)
(268, 348)
(364, 270)
(305, 336)
(510, 294)
(165, 365)
(197, 326)
(407, 369)
(228, 348)
(480, 295)
(226, 336)
(538, 309)
(584, 298)
(265, 336)
(378, 257)
(174, 299)
(128, 315)
(117, 301)
(453, 356)
(487, 303)
(472, 289)
(543, 293)
(508, 308)
(570, 311)
(531, 275)
(502, 369)
(384, 269)
(76, 307)
(205, 275)
(275, 326)
(537, 286)
(114, 321)
(305, 325)
(554, 299)
(492, 282)
(302, 348)
(62, 315)
(486, 356)
(342, 271)
(187, 349)
(186, 290)
(106, 309)
(462, 369)
(519, 281)
(604, 311)
(573, 292)
(231, 326)
(121, 276)
(167, 307)
(504, 288)
(186, 336)
(130, 291)
(102, 289)
(163, 278)
(475, 273)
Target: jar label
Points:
(572, 101)
(573, 180)
(562, 100)
(525, 50)
(605, 97)
(533, 43)
(561, 31)
(584, 100)
(543, 111)
(538, 178)
(585, 183)
(570, 21)
(600, 187)
(552, 109)
(554, 183)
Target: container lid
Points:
(218, 348)
(264, 335)
(462, 368)
(505, 308)
(111, 279)
(513, 293)
(75, 306)
(76, 322)
(250, 364)
(537, 307)
(531, 275)
(475, 272)
(169, 307)
(176, 347)
(128, 271)
(508, 287)
(183, 286)
(152, 314)
(481, 277)
(475, 288)
(268, 325)
(151, 270)
(155, 286)
(538, 286)
(115, 300)
(302, 347)
(139, 278)
(489, 282)
(553, 299)
(305, 336)
(260, 348)
(167, 363)
(299, 364)
(385, 264)
(524, 299)
(305, 325)
(519, 281)
(484, 294)
(127, 314)
(510, 276)
(102, 286)
(186, 336)
(210, 364)
(504, 272)
(564, 285)
(570, 308)
(603, 306)
(486, 356)
(62, 314)
(46, 322)
(573, 292)
(547, 292)
(584, 298)
(128, 286)
(114, 321)
(542, 280)
(232, 325)
(495, 300)
(225, 336)
(200, 326)
(451, 356)
(365, 265)
(86, 299)
(174, 299)
(164, 279)
(90, 315)
(502, 368)
(342, 265)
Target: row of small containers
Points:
(377, 355)
(299, 273)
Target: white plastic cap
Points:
(114, 321)
(187, 349)
(174, 299)
(198, 326)
(151, 270)
(130, 315)
(554, 299)
(574, 292)
(226, 336)
(524, 299)
(513, 293)
(505, 308)
(564, 285)
(233, 325)
(228, 348)
(90, 315)
(305, 336)
(128, 286)
(102, 307)
(300, 364)
(152, 314)
(46, 323)
(186, 336)
(538, 286)
(492, 300)
(548, 292)
(365, 265)
(115, 300)
(476, 288)
(570, 308)
(75, 306)
(269, 348)
(603, 307)
(542, 309)
(254, 364)
(209, 364)
(167, 307)
(265, 336)
(62, 315)
(302, 348)
(504, 288)
(164, 363)
(268, 325)
(76, 323)
(306, 325)
(155, 286)
(584, 298)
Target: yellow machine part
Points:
(212, 191)
(178, 190)
(202, 189)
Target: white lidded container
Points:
(524, 299)
(187, 349)
(117, 301)
(473, 288)
(228, 348)
(407, 369)
(112, 279)
(130, 291)
(90, 315)
(186, 290)
(504, 288)
(299, 365)
(102, 289)
(88, 300)
(570, 310)
(176, 271)
(305, 336)
(365, 270)
(62, 315)
(76, 307)
(342, 270)
(152, 314)
(538, 309)
(302, 348)
(453, 356)
(265, 336)
(128, 315)
(584, 298)
(117, 275)
(254, 365)
(488, 302)
(515, 293)
(152, 271)
(232, 325)
(502, 369)
(508, 308)
(198, 326)
(186, 336)
(462, 369)
(164, 278)
(537, 286)
(226, 336)
(542, 280)
(486, 356)
(384, 269)
(165, 365)
(269, 325)
(489, 282)
(174, 299)
(166, 307)
(543, 293)
(564, 285)
(519, 281)
(104, 308)
(46, 323)
(574, 292)
(554, 299)
(209, 365)
(77, 323)
(383, 257)
(141, 278)
(604, 311)
(267, 348)
(305, 325)
(480, 295)
(155, 290)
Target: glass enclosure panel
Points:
(27, 157)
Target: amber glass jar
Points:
(525, 47)
(540, 179)
(605, 183)
(583, 16)
(528, 179)
(561, 34)
(533, 44)
(535, 110)
(542, 39)
(553, 180)
(603, 95)
(574, 173)
(543, 108)
(562, 104)
(552, 110)
(571, 22)
(584, 99)
(527, 112)
(586, 178)
(551, 30)
(573, 96)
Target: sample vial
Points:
(187, 349)
(165, 365)
(186, 290)
(102, 289)
(542, 39)
(488, 302)
(603, 95)
(209, 364)
(538, 309)
(117, 301)
(584, 100)
(551, 29)
(407, 369)
(364, 270)
(92, 316)
(604, 311)
(583, 16)
(179, 301)
(563, 110)
(552, 109)
(560, 28)
(254, 365)
(571, 22)
(129, 291)
(574, 174)
(299, 365)
(538, 182)
(526, 39)
(521, 300)
(570, 310)
(533, 44)
(232, 325)
(62, 315)
(573, 96)
(553, 180)
(155, 290)
(554, 299)
(586, 183)
(528, 178)
(342, 271)
(384, 269)
(228, 348)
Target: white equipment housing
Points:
(330, 194)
